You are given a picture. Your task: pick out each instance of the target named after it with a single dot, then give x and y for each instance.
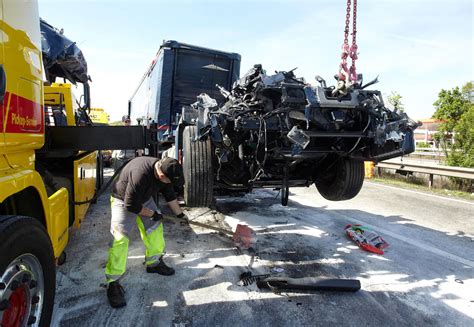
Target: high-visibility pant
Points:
(122, 223)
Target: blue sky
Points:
(417, 47)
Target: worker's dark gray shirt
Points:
(137, 182)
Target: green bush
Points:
(456, 133)
(423, 145)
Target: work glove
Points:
(157, 216)
(184, 218)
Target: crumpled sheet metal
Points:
(261, 105)
(61, 56)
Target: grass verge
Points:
(423, 188)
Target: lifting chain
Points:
(349, 75)
(353, 51)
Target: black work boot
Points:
(161, 268)
(116, 295)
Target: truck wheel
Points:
(27, 273)
(342, 181)
(197, 167)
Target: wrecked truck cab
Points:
(278, 131)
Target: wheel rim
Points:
(22, 292)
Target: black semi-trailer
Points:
(178, 74)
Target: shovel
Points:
(243, 237)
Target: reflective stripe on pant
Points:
(121, 225)
(154, 242)
(117, 262)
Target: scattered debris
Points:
(214, 215)
(252, 260)
(278, 270)
(218, 266)
(281, 222)
(366, 239)
(459, 281)
(243, 236)
(309, 284)
(247, 278)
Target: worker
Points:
(132, 203)
(120, 157)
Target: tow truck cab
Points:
(34, 218)
(33, 225)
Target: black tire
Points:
(342, 181)
(197, 167)
(23, 236)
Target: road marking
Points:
(410, 241)
(422, 193)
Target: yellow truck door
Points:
(22, 62)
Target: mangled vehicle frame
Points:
(278, 132)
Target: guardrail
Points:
(435, 152)
(428, 153)
(459, 172)
(431, 149)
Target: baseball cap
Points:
(173, 170)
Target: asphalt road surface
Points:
(426, 276)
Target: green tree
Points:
(455, 108)
(395, 99)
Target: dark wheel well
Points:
(27, 202)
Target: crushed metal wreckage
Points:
(279, 131)
(61, 56)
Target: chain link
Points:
(348, 17)
(353, 50)
(349, 75)
(354, 23)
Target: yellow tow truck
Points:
(49, 164)
(34, 217)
